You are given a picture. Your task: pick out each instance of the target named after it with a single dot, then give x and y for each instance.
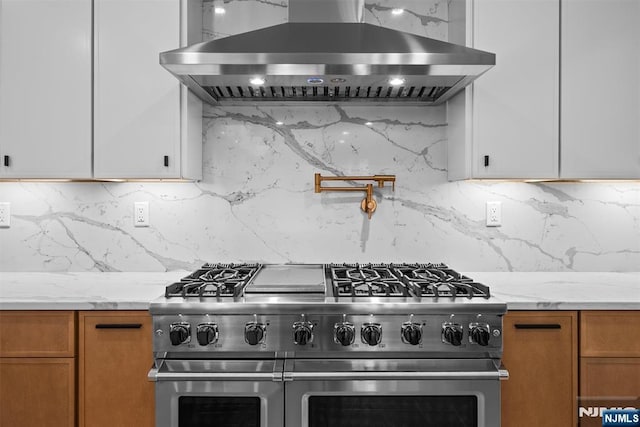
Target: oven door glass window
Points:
(201, 411)
(393, 411)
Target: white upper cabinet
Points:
(506, 125)
(139, 131)
(45, 89)
(600, 103)
(515, 104)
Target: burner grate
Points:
(402, 280)
(373, 288)
(366, 280)
(438, 280)
(214, 280)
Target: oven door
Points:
(202, 393)
(393, 393)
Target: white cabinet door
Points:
(515, 104)
(137, 102)
(600, 104)
(45, 88)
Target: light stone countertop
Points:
(564, 291)
(134, 291)
(83, 291)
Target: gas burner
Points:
(438, 280)
(366, 280)
(373, 288)
(214, 280)
(438, 275)
(450, 289)
(402, 280)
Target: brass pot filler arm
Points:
(368, 204)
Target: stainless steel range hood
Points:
(326, 53)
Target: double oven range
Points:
(337, 345)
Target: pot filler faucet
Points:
(368, 204)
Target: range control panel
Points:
(306, 332)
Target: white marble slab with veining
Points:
(564, 291)
(256, 201)
(134, 291)
(83, 291)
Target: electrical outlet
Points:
(494, 214)
(5, 214)
(141, 214)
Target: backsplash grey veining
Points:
(256, 201)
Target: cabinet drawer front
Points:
(37, 334)
(605, 377)
(608, 334)
(37, 392)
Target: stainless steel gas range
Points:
(339, 345)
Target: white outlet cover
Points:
(5, 214)
(494, 214)
(141, 214)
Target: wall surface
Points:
(256, 201)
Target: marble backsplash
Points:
(256, 201)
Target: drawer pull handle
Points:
(166, 161)
(7, 161)
(537, 326)
(119, 326)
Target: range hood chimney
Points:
(337, 11)
(326, 53)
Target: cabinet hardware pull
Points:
(119, 326)
(537, 326)
(486, 161)
(166, 161)
(7, 161)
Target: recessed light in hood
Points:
(396, 81)
(326, 53)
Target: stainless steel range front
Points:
(339, 345)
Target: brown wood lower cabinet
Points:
(541, 355)
(37, 392)
(610, 377)
(609, 361)
(37, 369)
(114, 357)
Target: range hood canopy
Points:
(306, 60)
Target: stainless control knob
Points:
(207, 333)
(254, 333)
(371, 333)
(479, 334)
(411, 333)
(452, 333)
(179, 333)
(302, 333)
(344, 333)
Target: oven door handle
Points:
(155, 375)
(162, 372)
(500, 374)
